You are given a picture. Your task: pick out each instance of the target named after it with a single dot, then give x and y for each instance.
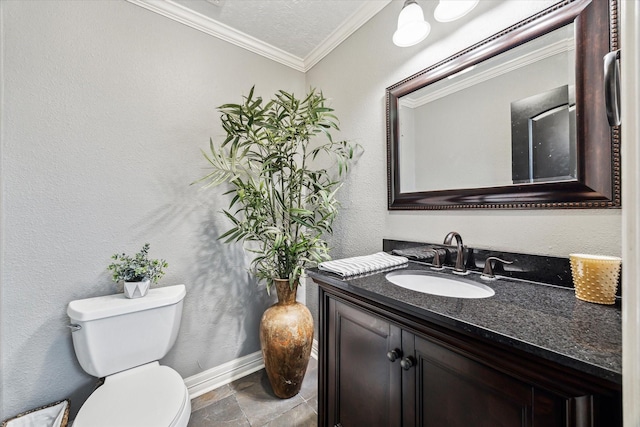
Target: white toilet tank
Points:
(117, 333)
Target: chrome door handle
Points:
(612, 86)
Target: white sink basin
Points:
(421, 281)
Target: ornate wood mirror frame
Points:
(598, 146)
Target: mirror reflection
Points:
(507, 120)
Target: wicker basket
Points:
(595, 277)
(31, 416)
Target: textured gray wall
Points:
(105, 107)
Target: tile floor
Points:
(250, 401)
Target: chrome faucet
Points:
(459, 267)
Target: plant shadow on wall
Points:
(283, 204)
(231, 301)
(224, 303)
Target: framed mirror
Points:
(515, 121)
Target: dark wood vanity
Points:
(394, 362)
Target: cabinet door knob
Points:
(407, 363)
(394, 355)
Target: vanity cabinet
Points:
(365, 387)
(382, 367)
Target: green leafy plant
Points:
(281, 204)
(138, 267)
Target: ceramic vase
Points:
(136, 289)
(286, 336)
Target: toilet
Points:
(122, 339)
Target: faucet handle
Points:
(487, 273)
(436, 264)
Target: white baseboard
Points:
(218, 376)
(314, 349)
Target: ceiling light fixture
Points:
(450, 10)
(412, 28)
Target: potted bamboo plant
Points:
(281, 208)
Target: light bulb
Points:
(412, 28)
(450, 10)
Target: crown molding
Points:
(460, 83)
(367, 11)
(200, 22)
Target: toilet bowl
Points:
(122, 340)
(150, 395)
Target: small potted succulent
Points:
(137, 272)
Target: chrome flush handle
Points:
(74, 327)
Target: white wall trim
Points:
(218, 376)
(630, 155)
(200, 22)
(203, 23)
(355, 21)
(2, 213)
(314, 349)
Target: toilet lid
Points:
(146, 396)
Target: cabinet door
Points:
(450, 389)
(446, 388)
(363, 385)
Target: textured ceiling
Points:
(294, 26)
(296, 33)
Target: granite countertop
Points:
(543, 320)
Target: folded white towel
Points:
(363, 264)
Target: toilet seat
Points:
(146, 396)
